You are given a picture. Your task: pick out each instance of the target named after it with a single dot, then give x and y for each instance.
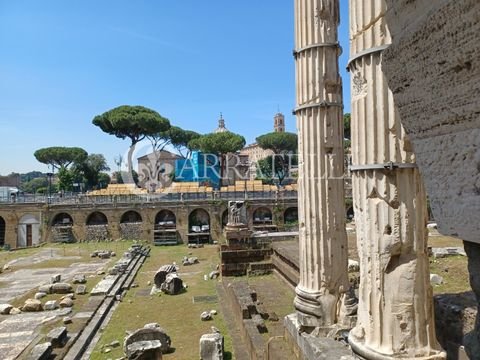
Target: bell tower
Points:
(279, 123)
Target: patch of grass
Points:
(444, 241)
(178, 315)
(60, 255)
(275, 296)
(7, 256)
(454, 272)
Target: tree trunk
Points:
(129, 177)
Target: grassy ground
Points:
(437, 240)
(277, 297)
(7, 256)
(62, 255)
(178, 314)
(454, 272)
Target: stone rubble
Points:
(436, 279)
(439, 253)
(353, 266)
(56, 278)
(189, 261)
(15, 311)
(195, 246)
(212, 346)
(61, 288)
(161, 274)
(205, 316)
(66, 303)
(41, 352)
(32, 305)
(81, 290)
(172, 285)
(79, 279)
(50, 305)
(214, 274)
(40, 295)
(5, 309)
(151, 340)
(58, 337)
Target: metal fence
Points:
(66, 199)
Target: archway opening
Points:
(262, 215)
(290, 217)
(2, 231)
(97, 218)
(62, 219)
(166, 217)
(131, 217)
(263, 220)
(199, 226)
(165, 228)
(62, 228)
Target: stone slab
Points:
(437, 100)
(314, 348)
(41, 352)
(104, 286)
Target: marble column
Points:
(319, 111)
(395, 313)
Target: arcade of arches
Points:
(25, 225)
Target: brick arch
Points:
(290, 215)
(262, 214)
(131, 216)
(199, 217)
(96, 218)
(165, 216)
(62, 218)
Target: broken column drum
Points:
(395, 313)
(319, 111)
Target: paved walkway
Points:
(16, 283)
(18, 331)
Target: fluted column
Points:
(395, 313)
(322, 239)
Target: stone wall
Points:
(433, 69)
(12, 213)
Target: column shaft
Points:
(395, 314)
(322, 239)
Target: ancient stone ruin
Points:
(395, 310)
(319, 111)
(167, 280)
(147, 343)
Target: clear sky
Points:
(63, 62)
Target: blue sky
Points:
(63, 62)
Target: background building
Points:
(165, 163)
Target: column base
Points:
(314, 309)
(318, 311)
(362, 351)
